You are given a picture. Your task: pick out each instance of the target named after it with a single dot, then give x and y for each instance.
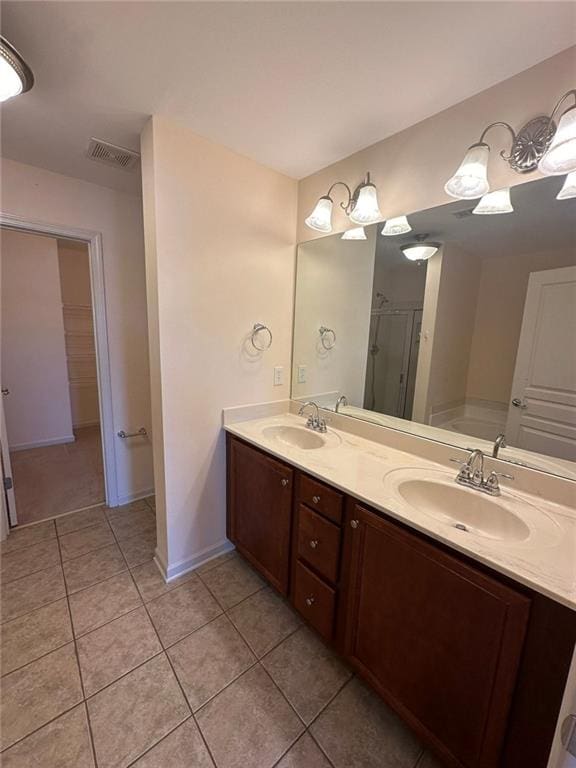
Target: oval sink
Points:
(300, 437)
(469, 510)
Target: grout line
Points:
(320, 747)
(149, 749)
(39, 728)
(42, 656)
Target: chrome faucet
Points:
(342, 400)
(500, 442)
(471, 474)
(317, 423)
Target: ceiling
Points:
(295, 86)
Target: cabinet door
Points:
(260, 510)
(437, 638)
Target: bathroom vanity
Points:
(453, 625)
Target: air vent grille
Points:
(463, 214)
(110, 154)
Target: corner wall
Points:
(220, 234)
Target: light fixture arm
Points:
(347, 206)
(503, 154)
(561, 101)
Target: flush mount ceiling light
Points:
(354, 234)
(538, 144)
(361, 206)
(396, 226)
(494, 202)
(15, 75)
(568, 188)
(420, 250)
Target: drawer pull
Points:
(314, 543)
(316, 499)
(284, 482)
(354, 523)
(310, 601)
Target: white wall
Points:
(39, 195)
(333, 289)
(220, 233)
(33, 351)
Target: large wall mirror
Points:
(477, 341)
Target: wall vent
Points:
(110, 154)
(463, 214)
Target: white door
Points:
(542, 411)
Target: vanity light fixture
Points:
(361, 207)
(15, 75)
(495, 202)
(397, 226)
(354, 234)
(568, 188)
(538, 144)
(420, 250)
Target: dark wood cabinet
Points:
(260, 511)
(438, 639)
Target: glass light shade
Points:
(419, 251)
(471, 178)
(568, 188)
(15, 75)
(560, 157)
(354, 234)
(366, 210)
(494, 202)
(321, 217)
(397, 226)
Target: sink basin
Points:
(301, 437)
(468, 510)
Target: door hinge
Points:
(568, 734)
(8, 484)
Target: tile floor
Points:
(103, 664)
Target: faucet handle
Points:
(496, 475)
(459, 461)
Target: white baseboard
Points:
(136, 496)
(172, 572)
(43, 443)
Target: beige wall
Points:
(499, 312)
(411, 167)
(33, 352)
(38, 195)
(220, 257)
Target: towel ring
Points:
(254, 335)
(327, 337)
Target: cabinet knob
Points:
(353, 523)
(284, 482)
(310, 601)
(314, 543)
(316, 499)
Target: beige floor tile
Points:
(115, 512)
(134, 713)
(183, 748)
(103, 602)
(83, 571)
(264, 620)
(25, 537)
(23, 562)
(182, 610)
(86, 540)
(357, 730)
(31, 592)
(25, 639)
(139, 549)
(130, 522)
(116, 648)
(78, 520)
(216, 561)
(151, 584)
(304, 754)
(63, 743)
(39, 692)
(210, 658)
(232, 581)
(151, 501)
(249, 723)
(308, 672)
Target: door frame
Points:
(93, 240)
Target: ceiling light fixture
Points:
(354, 234)
(568, 188)
(361, 206)
(494, 202)
(420, 250)
(397, 226)
(15, 75)
(538, 144)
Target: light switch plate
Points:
(301, 374)
(278, 375)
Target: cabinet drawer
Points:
(318, 543)
(314, 600)
(321, 498)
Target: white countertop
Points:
(545, 561)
